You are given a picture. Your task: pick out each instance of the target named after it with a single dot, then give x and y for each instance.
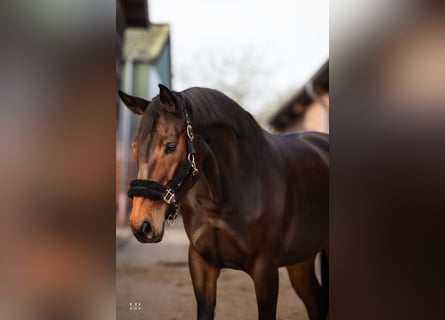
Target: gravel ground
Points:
(153, 283)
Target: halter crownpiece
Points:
(156, 191)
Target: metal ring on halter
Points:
(189, 130)
(191, 159)
(172, 217)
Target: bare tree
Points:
(240, 74)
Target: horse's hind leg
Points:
(302, 276)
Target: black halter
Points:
(155, 191)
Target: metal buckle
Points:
(169, 196)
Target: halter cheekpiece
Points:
(156, 191)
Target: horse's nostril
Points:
(147, 229)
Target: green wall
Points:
(163, 65)
(141, 72)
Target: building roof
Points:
(145, 44)
(136, 12)
(295, 107)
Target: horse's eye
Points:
(170, 147)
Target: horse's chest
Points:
(219, 244)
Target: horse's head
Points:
(165, 161)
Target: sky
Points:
(284, 41)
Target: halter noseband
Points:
(155, 191)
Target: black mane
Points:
(207, 108)
(211, 108)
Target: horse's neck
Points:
(210, 178)
(223, 158)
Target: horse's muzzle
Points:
(146, 233)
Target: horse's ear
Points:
(168, 99)
(135, 104)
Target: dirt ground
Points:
(153, 283)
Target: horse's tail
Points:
(324, 272)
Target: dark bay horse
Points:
(250, 200)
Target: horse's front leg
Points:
(204, 278)
(265, 276)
